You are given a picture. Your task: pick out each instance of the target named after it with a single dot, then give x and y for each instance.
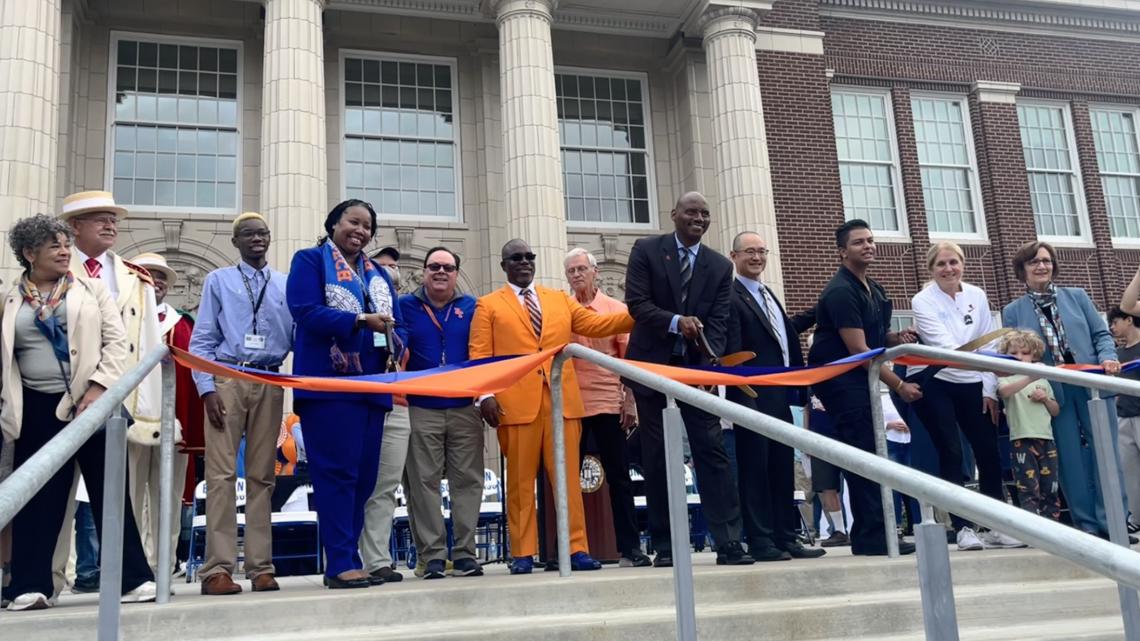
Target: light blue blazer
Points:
(1088, 336)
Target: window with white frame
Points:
(868, 162)
(400, 132)
(1118, 157)
(946, 160)
(605, 155)
(176, 131)
(1050, 161)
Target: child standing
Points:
(1029, 408)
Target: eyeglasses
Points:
(440, 267)
(518, 258)
(756, 251)
(108, 220)
(1040, 262)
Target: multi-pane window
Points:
(1046, 141)
(868, 166)
(176, 133)
(400, 135)
(1119, 161)
(941, 132)
(605, 156)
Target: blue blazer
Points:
(318, 325)
(1088, 336)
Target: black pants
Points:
(853, 426)
(944, 409)
(766, 478)
(605, 430)
(719, 502)
(36, 527)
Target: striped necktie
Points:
(775, 320)
(533, 310)
(94, 267)
(686, 275)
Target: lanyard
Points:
(249, 292)
(442, 334)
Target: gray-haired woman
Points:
(62, 344)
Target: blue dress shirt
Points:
(692, 265)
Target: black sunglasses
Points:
(437, 267)
(518, 258)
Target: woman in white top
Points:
(950, 313)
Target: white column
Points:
(740, 146)
(294, 193)
(532, 173)
(29, 114)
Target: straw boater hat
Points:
(156, 263)
(86, 202)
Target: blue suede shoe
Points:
(522, 565)
(582, 562)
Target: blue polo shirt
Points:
(436, 336)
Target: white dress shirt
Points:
(951, 321)
(522, 301)
(107, 275)
(767, 303)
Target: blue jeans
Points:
(86, 546)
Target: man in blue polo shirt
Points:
(447, 433)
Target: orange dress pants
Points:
(523, 445)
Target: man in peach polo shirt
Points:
(610, 407)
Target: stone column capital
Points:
(730, 17)
(321, 4)
(503, 9)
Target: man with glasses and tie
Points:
(765, 468)
(676, 288)
(521, 318)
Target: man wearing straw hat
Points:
(175, 328)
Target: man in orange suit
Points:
(521, 318)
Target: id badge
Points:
(379, 340)
(254, 341)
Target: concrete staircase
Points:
(1002, 595)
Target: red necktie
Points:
(533, 311)
(94, 267)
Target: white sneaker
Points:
(968, 540)
(31, 601)
(145, 593)
(995, 539)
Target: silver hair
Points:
(34, 232)
(579, 251)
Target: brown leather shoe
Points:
(265, 583)
(220, 583)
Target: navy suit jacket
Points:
(318, 326)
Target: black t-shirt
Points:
(846, 304)
(1128, 406)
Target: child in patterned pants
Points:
(1030, 407)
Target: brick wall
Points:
(792, 14)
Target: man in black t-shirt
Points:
(1126, 329)
(853, 315)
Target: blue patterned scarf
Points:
(360, 291)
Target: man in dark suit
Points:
(674, 287)
(765, 472)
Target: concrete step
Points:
(1079, 629)
(838, 596)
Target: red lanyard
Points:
(442, 334)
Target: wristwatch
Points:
(360, 320)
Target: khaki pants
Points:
(446, 443)
(143, 461)
(375, 541)
(255, 411)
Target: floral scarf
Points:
(360, 291)
(1049, 318)
(44, 312)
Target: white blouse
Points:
(950, 322)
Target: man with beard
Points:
(853, 316)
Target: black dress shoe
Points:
(663, 560)
(335, 583)
(904, 548)
(763, 553)
(732, 553)
(798, 551)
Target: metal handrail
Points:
(1118, 563)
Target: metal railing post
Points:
(672, 425)
(939, 617)
(1113, 497)
(165, 483)
(890, 530)
(111, 542)
(561, 502)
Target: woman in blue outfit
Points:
(1073, 332)
(346, 324)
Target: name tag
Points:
(254, 341)
(379, 339)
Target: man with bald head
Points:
(676, 288)
(522, 318)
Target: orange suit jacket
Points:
(502, 327)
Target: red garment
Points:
(187, 405)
